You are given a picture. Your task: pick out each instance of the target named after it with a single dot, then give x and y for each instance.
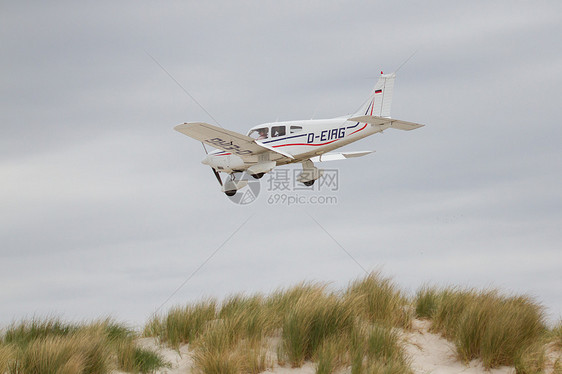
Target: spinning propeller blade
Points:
(214, 170)
(217, 175)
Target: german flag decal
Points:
(378, 91)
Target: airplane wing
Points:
(339, 156)
(220, 138)
(394, 123)
(229, 141)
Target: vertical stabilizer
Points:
(380, 100)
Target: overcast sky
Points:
(106, 210)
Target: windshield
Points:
(259, 134)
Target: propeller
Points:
(214, 170)
(217, 175)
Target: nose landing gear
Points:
(231, 186)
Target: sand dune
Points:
(430, 353)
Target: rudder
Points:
(380, 101)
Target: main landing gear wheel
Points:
(230, 193)
(258, 175)
(308, 183)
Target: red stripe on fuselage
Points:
(362, 128)
(315, 145)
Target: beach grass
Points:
(332, 355)
(282, 301)
(52, 346)
(249, 315)
(134, 359)
(182, 324)
(377, 299)
(7, 357)
(485, 324)
(224, 347)
(426, 302)
(377, 348)
(27, 331)
(555, 335)
(310, 321)
(452, 302)
(357, 329)
(531, 359)
(358, 326)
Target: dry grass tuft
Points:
(7, 357)
(376, 299)
(310, 321)
(555, 335)
(221, 348)
(531, 360)
(51, 346)
(79, 353)
(25, 332)
(182, 324)
(377, 348)
(452, 303)
(426, 302)
(501, 330)
(332, 355)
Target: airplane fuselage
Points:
(308, 141)
(301, 139)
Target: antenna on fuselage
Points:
(404, 63)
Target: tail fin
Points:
(380, 100)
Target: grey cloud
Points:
(107, 210)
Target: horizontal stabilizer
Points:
(394, 123)
(339, 156)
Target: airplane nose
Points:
(205, 161)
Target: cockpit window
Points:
(277, 131)
(295, 129)
(259, 134)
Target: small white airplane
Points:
(308, 141)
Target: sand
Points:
(430, 353)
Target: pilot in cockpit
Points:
(262, 133)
